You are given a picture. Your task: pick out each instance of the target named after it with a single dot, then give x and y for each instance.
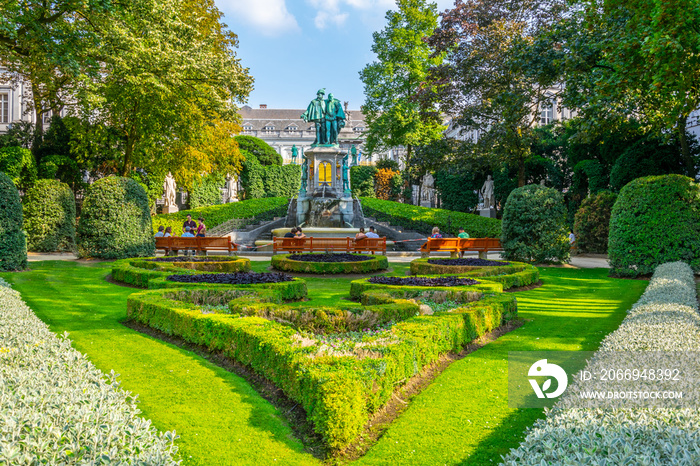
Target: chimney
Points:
(263, 105)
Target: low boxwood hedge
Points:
(423, 219)
(514, 275)
(255, 210)
(453, 293)
(140, 271)
(375, 263)
(338, 390)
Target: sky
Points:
(295, 47)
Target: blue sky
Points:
(295, 47)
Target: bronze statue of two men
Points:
(328, 117)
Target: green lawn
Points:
(462, 418)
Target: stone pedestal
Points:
(491, 213)
(325, 203)
(170, 209)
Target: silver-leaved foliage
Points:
(56, 407)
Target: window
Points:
(4, 107)
(292, 128)
(325, 174)
(248, 127)
(269, 128)
(547, 112)
(358, 129)
(46, 117)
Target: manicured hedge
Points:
(592, 222)
(255, 210)
(115, 221)
(283, 262)
(453, 293)
(13, 244)
(655, 219)
(665, 319)
(337, 391)
(49, 217)
(534, 226)
(58, 408)
(423, 219)
(206, 191)
(421, 266)
(139, 272)
(362, 180)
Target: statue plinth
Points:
(326, 200)
(170, 209)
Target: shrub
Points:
(115, 221)
(388, 164)
(49, 217)
(281, 181)
(248, 212)
(534, 226)
(664, 319)
(592, 222)
(655, 219)
(261, 150)
(206, 190)
(283, 262)
(387, 184)
(457, 190)
(252, 177)
(646, 157)
(63, 409)
(423, 219)
(18, 163)
(362, 180)
(13, 244)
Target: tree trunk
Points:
(38, 136)
(128, 153)
(685, 150)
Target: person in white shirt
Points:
(371, 233)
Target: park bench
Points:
(461, 245)
(174, 244)
(311, 244)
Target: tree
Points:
(637, 57)
(484, 82)
(392, 115)
(266, 155)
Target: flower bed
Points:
(140, 272)
(664, 319)
(58, 408)
(339, 381)
(424, 281)
(446, 266)
(240, 278)
(351, 263)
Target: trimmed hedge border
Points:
(453, 293)
(338, 391)
(60, 403)
(282, 262)
(516, 274)
(664, 319)
(139, 272)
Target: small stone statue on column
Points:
(169, 190)
(488, 194)
(353, 151)
(231, 194)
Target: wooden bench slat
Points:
(311, 244)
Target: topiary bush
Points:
(534, 226)
(115, 221)
(362, 180)
(655, 219)
(592, 222)
(252, 177)
(282, 181)
(49, 217)
(262, 151)
(13, 244)
(18, 163)
(206, 190)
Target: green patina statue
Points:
(328, 117)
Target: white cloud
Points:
(324, 18)
(271, 16)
